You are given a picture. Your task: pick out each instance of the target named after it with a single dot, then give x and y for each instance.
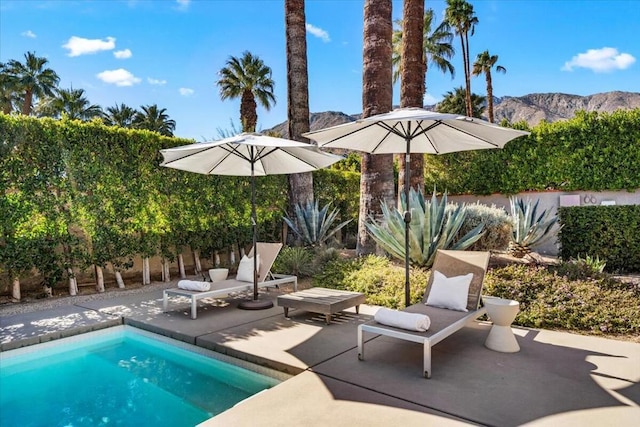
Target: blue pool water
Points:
(118, 378)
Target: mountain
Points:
(531, 108)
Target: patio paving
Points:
(556, 379)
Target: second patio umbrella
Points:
(414, 130)
(248, 154)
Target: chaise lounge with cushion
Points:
(267, 254)
(451, 301)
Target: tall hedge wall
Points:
(592, 151)
(76, 194)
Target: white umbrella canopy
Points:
(249, 154)
(413, 131)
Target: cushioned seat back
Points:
(458, 263)
(268, 253)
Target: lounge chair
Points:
(267, 253)
(444, 322)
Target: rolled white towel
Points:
(194, 285)
(402, 319)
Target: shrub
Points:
(550, 299)
(294, 260)
(377, 277)
(497, 227)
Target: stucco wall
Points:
(551, 200)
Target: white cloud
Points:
(318, 32)
(119, 77)
(156, 82)
(183, 4)
(80, 46)
(429, 99)
(29, 34)
(185, 91)
(600, 60)
(122, 54)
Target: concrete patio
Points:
(556, 379)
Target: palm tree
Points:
(33, 79)
(301, 184)
(249, 79)
(8, 87)
(459, 15)
(376, 177)
(120, 115)
(69, 102)
(436, 45)
(154, 119)
(456, 102)
(484, 63)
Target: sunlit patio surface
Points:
(556, 379)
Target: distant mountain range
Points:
(531, 108)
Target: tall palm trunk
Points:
(300, 184)
(376, 179)
(467, 75)
(28, 99)
(412, 83)
(248, 111)
(489, 96)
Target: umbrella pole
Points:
(255, 303)
(407, 220)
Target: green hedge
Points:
(611, 233)
(591, 152)
(75, 194)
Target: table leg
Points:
(358, 309)
(327, 319)
(286, 312)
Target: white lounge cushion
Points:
(194, 285)
(449, 292)
(401, 319)
(245, 269)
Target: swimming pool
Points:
(120, 377)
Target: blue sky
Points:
(168, 52)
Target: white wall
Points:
(551, 200)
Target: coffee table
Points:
(321, 300)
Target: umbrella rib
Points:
(230, 152)
(423, 131)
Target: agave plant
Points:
(312, 225)
(432, 227)
(529, 227)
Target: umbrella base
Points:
(255, 305)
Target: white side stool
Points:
(502, 312)
(218, 274)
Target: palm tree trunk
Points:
(248, 112)
(489, 96)
(412, 84)
(467, 75)
(28, 99)
(300, 185)
(376, 179)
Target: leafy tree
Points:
(120, 115)
(249, 79)
(8, 89)
(459, 15)
(71, 103)
(32, 79)
(455, 102)
(154, 119)
(300, 184)
(484, 63)
(376, 179)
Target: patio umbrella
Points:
(248, 154)
(410, 131)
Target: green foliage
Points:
(497, 227)
(549, 299)
(610, 233)
(377, 277)
(592, 151)
(529, 227)
(342, 188)
(432, 227)
(314, 226)
(294, 260)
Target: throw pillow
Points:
(245, 269)
(449, 292)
